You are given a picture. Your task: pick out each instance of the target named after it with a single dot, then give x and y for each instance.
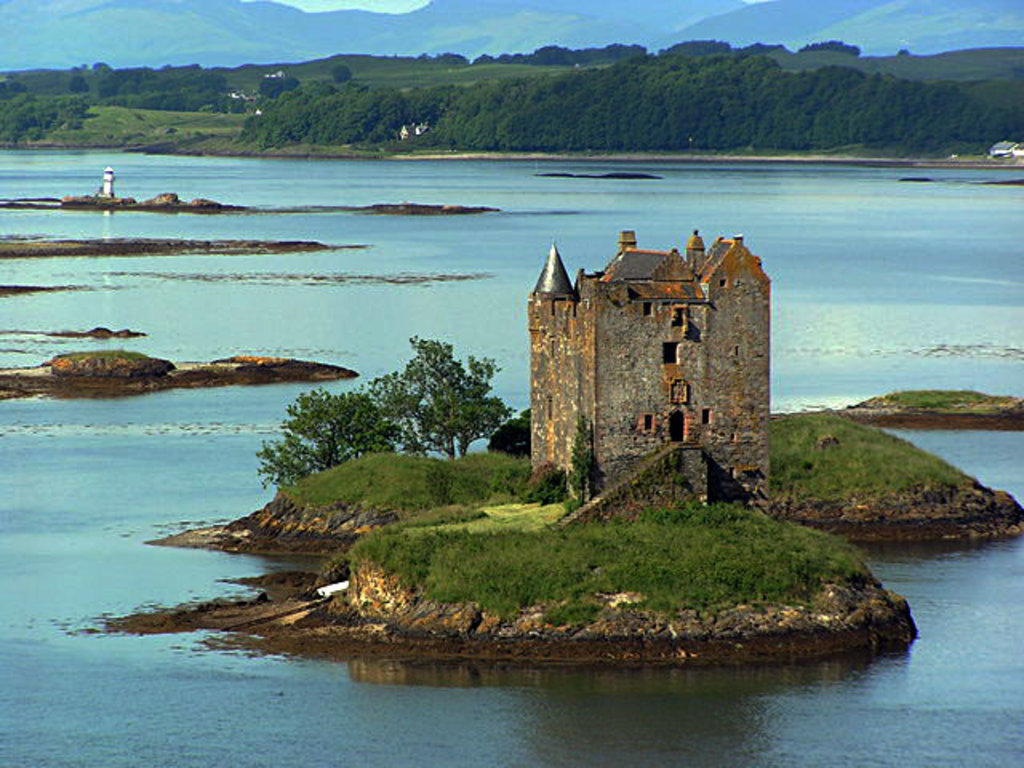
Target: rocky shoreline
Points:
(22, 248)
(922, 514)
(97, 376)
(377, 616)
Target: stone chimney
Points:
(627, 239)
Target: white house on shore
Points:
(1006, 149)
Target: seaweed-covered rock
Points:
(109, 366)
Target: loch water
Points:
(877, 285)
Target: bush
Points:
(547, 486)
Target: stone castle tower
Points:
(658, 349)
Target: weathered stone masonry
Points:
(658, 349)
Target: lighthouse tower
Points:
(108, 182)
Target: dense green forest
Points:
(700, 95)
(27, 117)
(650, 103)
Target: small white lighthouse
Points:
(108, 182)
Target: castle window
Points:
(721, 283)
(736, 351)
(647, 309)
(670, 352)
(550, 408)
(678, 317)
(705, 415)
(648, 422)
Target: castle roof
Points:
(634, 264)
(554, 280)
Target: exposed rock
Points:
(842, 617)
(98, 332)
(420, 209)
(79, 375)
(109, 366)
(283, 526)
(164, 198)
(948, 512)
(21, 248)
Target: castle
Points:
(660, 351)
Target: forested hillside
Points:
(650, 104)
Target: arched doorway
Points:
(676, 427)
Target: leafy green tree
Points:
(323, 430)
(340, 73)
(512, 437)
(439, 403)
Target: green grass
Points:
(415, 483)
(967, 65)
(105, 354)
(695, 557)
(944, 400)
(115, 126)
(386, 72)
(866, 462)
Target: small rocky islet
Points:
(118, 373)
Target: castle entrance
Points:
(677, 427)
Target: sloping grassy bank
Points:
(413, 484)
(825, 457)
(858, 481)
(694, 557)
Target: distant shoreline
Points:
(682, 158)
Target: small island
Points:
(26, 248)
(120, 373)
(418, 209)
(940, 409)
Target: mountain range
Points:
(65, 33)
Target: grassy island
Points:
(694, 557)
(823, 456)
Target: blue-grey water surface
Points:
(878, 285)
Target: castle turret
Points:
(554, 280)
(108, 182)
(695, 251)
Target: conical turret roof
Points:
(554, 279)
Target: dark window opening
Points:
(736, 351)
(670, 352)
(648, 422)
(721, 283)
(705, 415)
(550, 408)
(647, 309)
(677, 427)
(678, 317)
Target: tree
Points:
(77, 84)
(512, 437)
(272, 87)
(323, 430)
(341, 73)
(439, 403)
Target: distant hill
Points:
(65, 33)
(877, 26)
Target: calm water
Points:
(877, 285)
